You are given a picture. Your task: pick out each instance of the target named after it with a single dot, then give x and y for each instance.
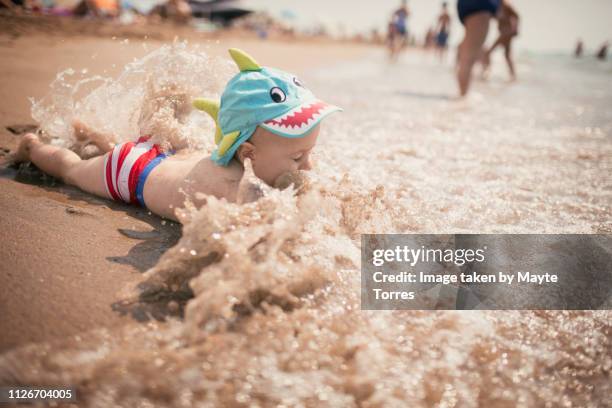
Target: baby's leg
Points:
(83, 133)
(88, 175)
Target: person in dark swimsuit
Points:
(465, 8)
(443, 31)
(475, 15)
(398, 30)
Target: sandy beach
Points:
(262, 301)
(63, 275)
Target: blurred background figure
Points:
(475, 15)
(177, 11)
(10, 4)
(602, 54)
(579, 48)
(97, 8)
(507, 22)
(443, 31)
(16, 6)
(20, 6)
(398, 30)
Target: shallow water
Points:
(275, 318)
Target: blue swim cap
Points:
(260, 96)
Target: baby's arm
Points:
(297, 178)
(252, 189)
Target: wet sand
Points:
(65, 255)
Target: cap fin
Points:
(244, 61)
(212, 108)
(227, 141)
(207, 105)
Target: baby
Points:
(265, 116)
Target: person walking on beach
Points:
(508, 21)
(398, 30)
(97, 8)
(579, 48)
(475, 15)
(443, 31)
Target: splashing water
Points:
(151, 96)
(275, 318)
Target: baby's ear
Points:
(246, 151)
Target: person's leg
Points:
(485, 59)
(476, 29)
(508, 54)
(88, 175)
(495, 45)
(391, 40)
(442, 53)
(404, 43)
(395, 47)
(83, 133)
(391, 45)
(441, 45)
(397, 44)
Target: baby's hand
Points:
(297, 178)
(250, 188)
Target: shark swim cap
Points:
(261, 96)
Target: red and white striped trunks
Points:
(127, 167)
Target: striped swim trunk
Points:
(127, 167)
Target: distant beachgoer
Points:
(398, 30)
(256, 123)
(579, 48)
(177, 11)
(19, 6)
(602, 54)
(475, 15)
(443, 31)
(10, 4)
(97, 8)
(508, 22)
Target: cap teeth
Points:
(299, 119)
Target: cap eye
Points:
(297, 82)
(277, 95)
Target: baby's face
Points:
(275, 155)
